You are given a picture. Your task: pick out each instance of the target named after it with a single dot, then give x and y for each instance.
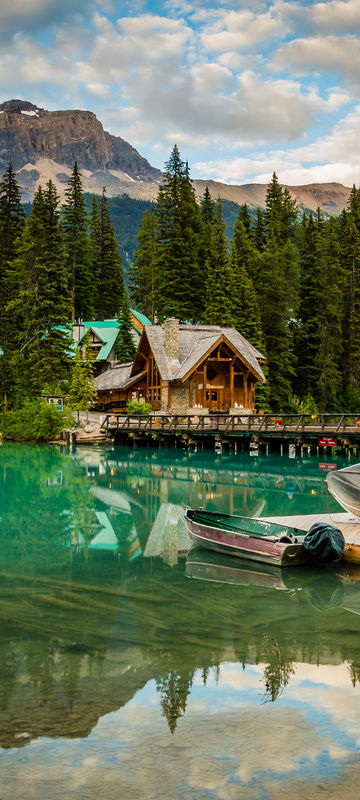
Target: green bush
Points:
(36, 420)
(136, 407)
(305, 405)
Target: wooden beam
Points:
(231, 385)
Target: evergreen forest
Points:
(289, 283)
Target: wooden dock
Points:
(347, 524)
(318, 433)
(311, 425)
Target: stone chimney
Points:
(171, 336)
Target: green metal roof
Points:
(101, 323)
(141, 317)
(106, 335)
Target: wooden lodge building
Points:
(103, 336)
(194, 369)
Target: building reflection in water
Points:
(98, 596)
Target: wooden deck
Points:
(347, 524)
(313, 425)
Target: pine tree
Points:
(42, 305)
(330, 396)
(219, 279)
(11, 226)
(245, 303)
(244, 217)
(259, 231)
(82, 393)
(75, 226)
(177, 256)
(143, 272)
(311, 295)
(125, 349)
(206, 253)
(11, 218)
(351, 263)
(95, 240)
(109, 268)
(275, 325)
(280, 213)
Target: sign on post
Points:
(327, 441)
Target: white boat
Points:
(344, 485)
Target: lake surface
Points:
(130, 670)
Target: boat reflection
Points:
(323, 589)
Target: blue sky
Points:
(242, 88)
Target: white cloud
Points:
(240, 30)
(333, 157)
(323, 53)
(332, 15)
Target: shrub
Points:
(36, 420)
(306, 405)
(137, 407)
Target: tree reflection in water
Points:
(83, 630)
(277, 673)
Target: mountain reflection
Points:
(98, 597)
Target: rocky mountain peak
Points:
(45, 144)
(20, 107)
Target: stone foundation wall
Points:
(180, 398)
(164, 398)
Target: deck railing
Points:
(331, 424)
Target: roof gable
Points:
(108, 338)
(195, 342)
(203, 347)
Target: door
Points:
(212, 399)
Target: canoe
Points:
(344, 485)
(245, 537)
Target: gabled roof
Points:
(194, 343)
(141, 317)
(107, 336)
(114, 378)
(155, 337)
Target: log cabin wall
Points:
(222, 382)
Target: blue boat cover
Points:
(324, 543)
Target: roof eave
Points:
(223, 337)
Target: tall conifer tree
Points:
(125, 348)
(109, 267)
(11, 226)
(75, 226)
(219, 281)
(311, 295)
(43, 301)
(143, 273)
(351, 263)
(245, 302)
(178, 228)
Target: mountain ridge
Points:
(45, 144)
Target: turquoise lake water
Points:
(129, 669)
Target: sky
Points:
(243, 89)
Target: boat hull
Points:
(352, 552)
(242, 545)
(344, 485)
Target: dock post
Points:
(282, 449)
(267, 449)
(235, 448)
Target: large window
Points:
(154, 382)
